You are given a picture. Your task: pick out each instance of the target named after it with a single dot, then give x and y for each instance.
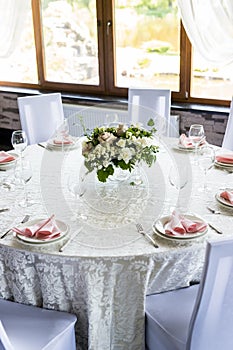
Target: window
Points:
(103, 47)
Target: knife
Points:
(69, 240)
(25, 219)
(3, 210)
(215, 229)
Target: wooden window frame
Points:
(106, 55)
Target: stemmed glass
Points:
(206, 157)
(77, 190)
(19, 141)
(63, 132)
(196, 135)
(24, 174)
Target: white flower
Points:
(121, 143)
(126, 155)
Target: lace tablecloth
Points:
(104, 274)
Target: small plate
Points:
(60, 224)
(158, 228)
(183, 148)
(51, 144)
(223, 200)
(8, 165)
(223, 165)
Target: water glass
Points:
(19, 141)
(196, 136)
(206, 158)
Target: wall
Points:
(214, 123)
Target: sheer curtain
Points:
(209, 26)
(12, 16)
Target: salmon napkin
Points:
(225, 158)
(184, 141)
(228, 195)
(45, 229)
(6, 157)
(179, 225)
(63, 138)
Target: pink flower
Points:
(106, 137)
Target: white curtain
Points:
(12, 17)
(209, 26)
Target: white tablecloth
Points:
(104, 274)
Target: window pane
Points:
(211, 81)
(18, 64)
(70, 41)
(147, 43)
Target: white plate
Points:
(223, 165)
(7, 165)
(183, 148)
(222, 200)
(158, 228)
(50, 143)
(60, 224)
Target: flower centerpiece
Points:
(121, 146)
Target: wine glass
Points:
(77, 190)
(179, 178)
(206, 157)
(23, 174)
(19, 141)
(196, 135)
(62, 132)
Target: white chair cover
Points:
(40, 116)
(145, 103)
(25, 327)
(228, 137)
(198, 317)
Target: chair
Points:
(198, 317)
(25, 327)
(40, 116)
(144, 104)
(228, 137)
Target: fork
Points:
(140, 230)
(25, 219)
(215, 211)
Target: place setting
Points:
(62, 141)
(194, 140)
(224, 161)
(181, 228)
(41, 232)
(225, 197)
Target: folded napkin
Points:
(6, 157)
(45, 229)
(184, 141)
(63, 138)
(225, 158)
(228, 195)
(178, 225)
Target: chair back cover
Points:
(26, 327)
(144, 104)
(40, 116)
(228, 137)
(212, 318)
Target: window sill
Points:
(118, 101)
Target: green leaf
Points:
(104, 173)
